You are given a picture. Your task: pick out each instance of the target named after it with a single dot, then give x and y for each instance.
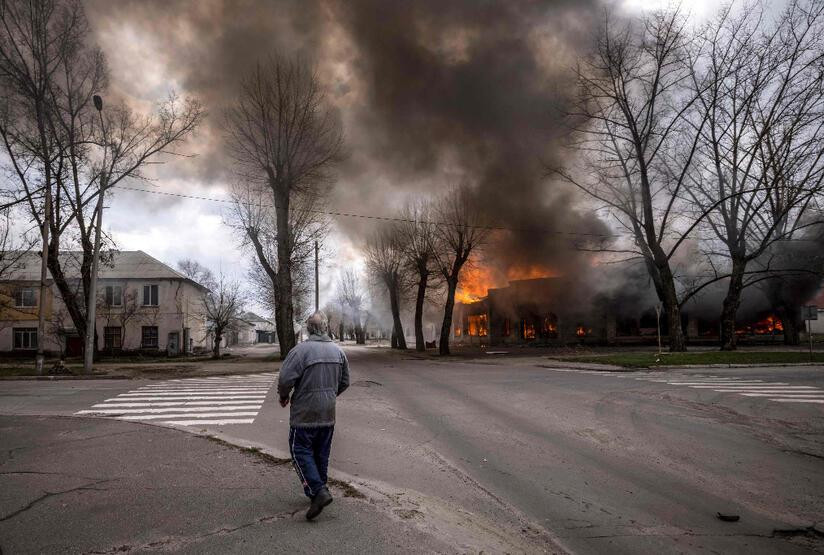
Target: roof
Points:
(120, 265)
(252, 317)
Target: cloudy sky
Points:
(430, 93)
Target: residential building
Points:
(142, 305)
(258, 329)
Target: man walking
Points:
(318, 371)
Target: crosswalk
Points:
(217, 400)
(780, 392)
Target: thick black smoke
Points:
(431, 93)
(466, 90)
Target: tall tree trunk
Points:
(420, 342)
(677, 341)
(397, 325)
(664, 282)
(216, 344)
(446, 327)
(791, 323)
(284, 312)
(67, 294)
(393, 341)
(360, 334)
(731, 303)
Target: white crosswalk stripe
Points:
(215, 401)
(781, 392)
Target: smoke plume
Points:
(430, 92)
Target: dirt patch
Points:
(408, 514)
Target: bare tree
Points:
(284, 137)
(196, 272)
(385, 261)
(222, 307)
(54, 139)
(630, 109)
(255, 219)
(418, 241)
(350, 294)
(761, 152)
(460, 232)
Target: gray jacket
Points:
(318, 371)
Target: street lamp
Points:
(91, 324)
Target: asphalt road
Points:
(601, 461)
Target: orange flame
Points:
(767, 326)
(475, 282)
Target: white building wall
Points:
(179, 306)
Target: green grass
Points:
(18, 371)
(645, 360)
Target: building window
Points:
(149, 340)
(114, 295)
(150, 295)
(25, 298)
(25, 338)
(113, 337)
(478, 325)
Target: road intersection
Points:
(625, 462)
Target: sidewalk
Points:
(73, 485)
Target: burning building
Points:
(538, 309)
(561, 311)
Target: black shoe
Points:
(319, 501)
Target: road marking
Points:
(696, 381)
(208, 422)
(781, 392)
(734, 387)
(168, 409)
(175, 403)
(204, 415)
(153, 398)
(772, 391)
(788, 395)
(183, 393)
(191, 401)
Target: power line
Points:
(370, 216)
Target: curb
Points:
(738, 365)
(62, 378)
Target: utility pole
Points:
(317, 285)
(44, 286)
(91, 323)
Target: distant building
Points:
(260, 330)
(143, 305)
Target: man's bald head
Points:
(317, 324)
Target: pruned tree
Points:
(285, 140)
(459, 233)
(418, 242)
(385, 258)
(60, 151)
(628, 121)
(351, 297)
(254, 217)
(222, 307)
(760, 161)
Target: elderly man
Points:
(318, 372)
